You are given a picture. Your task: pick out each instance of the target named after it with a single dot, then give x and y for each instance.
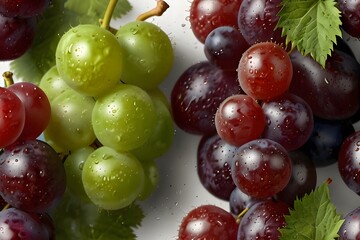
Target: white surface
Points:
(180, 190)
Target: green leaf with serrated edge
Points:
(313, 217)
(97, 8)
(51, 25)
(311, 26)
(76, 219)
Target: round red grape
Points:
(214, 158)
(37, 108)
(289, 121)
(349, 161)
(239, 119)
(263, 220)
(206, 15)
(257, 21)
(12, 117)
(208, 222)
(32, 176)
(23, 8)
(198, 93)
(261, 168)
(265, 71)
(16, 36)
(350, 229)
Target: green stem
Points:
(6, 207)
(105, 23)
(8, 78)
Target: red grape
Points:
(23, 8)
(303, 178)
(208, 222)
(265, 71)
(214, 158)
(32, 176)
(16, 36)
(12, 117)
(197, 94)
(239, 119)
(37, 108)
(349, 161)
(257, 21)
(206, 15)
(350, 229)
(16, 224)
(261, 168)
(333, 93)
(263, 220)
(240, 201)
(289, 121)
(350, 16)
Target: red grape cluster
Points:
(18, 24)
(267, 119)
(31, 172)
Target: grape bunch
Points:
(32, 174)
(109, 119)
(18, 26)
(268, 118)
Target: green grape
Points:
(124, 118)
(151, 179)
(162, 136)
(148, 54)
(70, 125)
(74, 164)
(157, 93)
(52, 84)
(111, 179)
(89, 59)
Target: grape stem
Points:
(238, 217)
(8, 78)
(6, 207)
(105, 22)
(160, 8)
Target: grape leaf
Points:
(313, 217)
(311, 26)
(56, 20)
(76, 219)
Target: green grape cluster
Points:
(109, 117)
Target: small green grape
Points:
(124, 118)
(162, 136)
(111, 179)
(151, 179)
(74, 164)
(148, 54)
(52, 84)
(89, 59)
(70, 125)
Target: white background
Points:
(180, 190)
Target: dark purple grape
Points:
(214, 159)
(16, 36)
(349, 162)
(224, 47)
(239, 201)
(325, 141)
(289, 121)
(261, 168)
(263, 220)
(32, 176)
(19, 225)
(350, 16)
(257, 21)
(334, 92)
(350, 229)
(22, 8)
(303, 178)
(198, 93)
